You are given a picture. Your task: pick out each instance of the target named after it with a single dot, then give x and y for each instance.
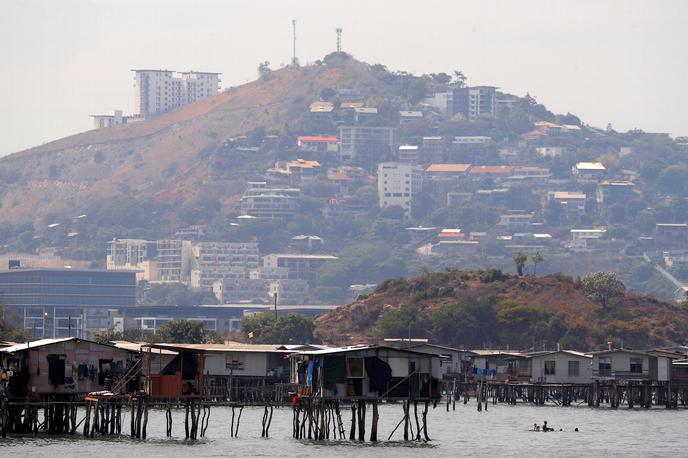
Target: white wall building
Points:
(158, 91)
(563, 366)
(398, 184)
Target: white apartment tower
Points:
(398, 184)
(158, 91)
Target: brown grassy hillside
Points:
(165, 158)
(487, 308)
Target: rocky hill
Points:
(489, 309)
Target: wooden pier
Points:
(641, 394)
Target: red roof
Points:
(338, 177)
(318, 139)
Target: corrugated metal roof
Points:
(35, 344)
(355, 348)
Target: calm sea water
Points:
(501, 431)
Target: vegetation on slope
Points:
(476, 309)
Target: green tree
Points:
(674, 180)
(181, 331)
(520, 260)
(536, 258)
(264, 71)
(327, 93)
(601, 287)
(9, 331)
(459, 78)
(264, 328)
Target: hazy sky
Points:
(623, 61)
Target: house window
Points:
(636, 365)
(550, 367)
(574, 368)
(354, 367)
(605, 366)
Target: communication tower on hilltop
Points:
(339, 39)
(294, 59)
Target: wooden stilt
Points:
(373, 425)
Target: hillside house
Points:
(299, 266)
(529, 175)
(562, 366)
(320, 108)
(491, 171)
(671, 234)
(572, 203)
(589, 170)
(516, 218)
(614, 191)
(302, 170)
(318, 144)
(444, 171)
(65, 366)
(587, 239)
(675, 258)
(406, 117)
(367, 372)
(364, 113)
(471, 140)
(550, 151)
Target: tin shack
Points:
(367, 372)
(68, 367)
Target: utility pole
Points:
(275, 305)
(294, 59)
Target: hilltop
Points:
(170, 159)
(477, 309)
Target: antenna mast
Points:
(339, 39)
(294, 59)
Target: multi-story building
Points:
(161, 261)
(289, 291)
(217, 261)
(398, 184)
(65, 302)
(365, 142)
(432, 149)
(158, 91)
(274, 203)
(299, 266)
(408, 153)
(473, 102)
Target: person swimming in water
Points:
(546, 428)
(535, 427)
